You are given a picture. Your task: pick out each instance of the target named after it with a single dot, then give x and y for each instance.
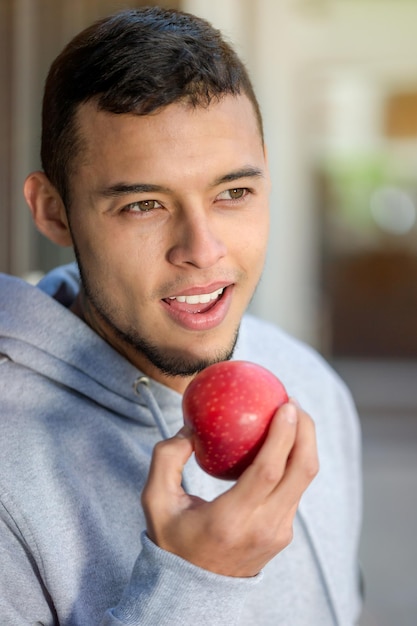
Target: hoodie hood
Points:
(73, 354)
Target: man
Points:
(155, 171)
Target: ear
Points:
(47, 208)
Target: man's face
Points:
(169, 217)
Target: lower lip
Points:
(202, 321)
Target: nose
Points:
(196, 241)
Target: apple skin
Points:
(229, 406)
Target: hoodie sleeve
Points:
(165, 589)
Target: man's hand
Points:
(240, 531)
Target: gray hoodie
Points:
(77, 432)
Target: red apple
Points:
(229, 406)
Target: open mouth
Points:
(201, 309)
(198, 303)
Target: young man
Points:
(155, 171)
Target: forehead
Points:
(176, 134)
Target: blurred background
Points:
(337, 84)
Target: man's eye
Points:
(142, 206)
(233, 194)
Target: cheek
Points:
(253, 239)
(96, 254)
(103, 244)
(123, 267)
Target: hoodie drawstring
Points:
(142, 388)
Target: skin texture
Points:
(176, 203)
(197, 236)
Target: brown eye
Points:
(146, 205)
(237, 193)
(142, 206)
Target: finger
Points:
(167, 464)
(268, 468)
(302, 465)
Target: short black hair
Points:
(135, 61)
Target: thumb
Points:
(184, 433)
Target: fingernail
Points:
(295, 402)
(290, 412)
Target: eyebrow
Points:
(123, 189)
(246, 172)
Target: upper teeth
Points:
(201, 298)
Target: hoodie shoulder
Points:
(289, 357)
